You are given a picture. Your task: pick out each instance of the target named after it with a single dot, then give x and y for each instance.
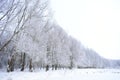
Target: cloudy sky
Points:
(96, 23)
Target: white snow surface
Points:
(75, 74)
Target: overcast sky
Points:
(96, 23)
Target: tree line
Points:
(30, 38)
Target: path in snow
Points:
(75, 74)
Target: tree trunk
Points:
(56, 67)
(47, 67)
(10, 65)
(30, 66)
(52, 67)
(71, 62)
(23, 62)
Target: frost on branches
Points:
(30, 38)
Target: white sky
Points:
(96, 23)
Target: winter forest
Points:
(30, 38)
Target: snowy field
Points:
(75, 74)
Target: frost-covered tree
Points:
(32, 39)
(25, 20)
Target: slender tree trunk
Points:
(47, 67)
(52, 67)
(71, 62)
(56, 67)
(23, 62)
(10, 65)
(30, 66)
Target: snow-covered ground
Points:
(75, 74)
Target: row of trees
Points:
(30, 38)
(11, 63)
